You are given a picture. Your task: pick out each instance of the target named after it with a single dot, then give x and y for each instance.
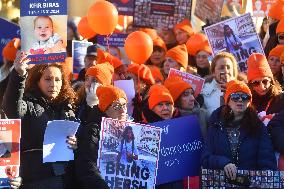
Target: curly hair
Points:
(276, 89)
(66, 93)
(225, 55)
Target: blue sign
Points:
(11, 31)
(43, 7)
(124, 7)
(180, 149)
(115, 40)
(79, 51)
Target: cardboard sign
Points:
(209, 10)
(261, 7)
(79, 51)
(44, 30)
(124, 7)
(128, 154)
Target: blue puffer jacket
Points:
(255, 152)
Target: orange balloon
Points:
(102, 17)
(84, 29)
(138, 47)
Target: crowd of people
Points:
(240, 114)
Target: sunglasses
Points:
(235, 97)
(281, 37)
(265, 82)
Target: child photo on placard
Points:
(45, 35)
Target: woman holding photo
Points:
(42, 95)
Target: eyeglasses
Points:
(281, 37)
(265, 82)
(235, 97)
(118, 107)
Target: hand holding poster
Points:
(128, 154)
(237, 36)
(10, 133)
(195, 81)
(43, 29)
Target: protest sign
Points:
(159, 13)
(55, 147)
(209, 10)
(11, 31)
(44, 30)
(180, 150)
(237, 36)
(195, 81)
(10, 134)
(79, 51)
(128, 154)
(258, 179)
(124, 7)
(261, 7)
(114, 45)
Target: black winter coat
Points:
(34, 111)
(86, 156)
(276, 128)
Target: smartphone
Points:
(223, 78)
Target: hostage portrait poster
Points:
(237, 36)
(10, 134)
(44, 30)
(128, 154)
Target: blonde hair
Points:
(225, 55)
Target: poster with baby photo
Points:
(10, 133)
(44, 30)
(128, 154)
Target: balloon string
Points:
(107, 42)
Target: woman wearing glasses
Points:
(268, 98)
(112, 104)
(236, 137)
(274, 62)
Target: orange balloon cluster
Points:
(84, 29)
(138, 47)
(103, 17)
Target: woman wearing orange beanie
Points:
(184, 100)
(9, 55)
(159, 51)
(183, 31)
(143, 80)
(223, 69)
(176, 58)
(157, 74)
(266, 91)
(198, 47)
(236, 137)
(274, 61)
(112, 104)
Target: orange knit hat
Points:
(184, 25)
(10, 50)
(159, 94)
(107, 57)
(277, 10)
(142, 71)
(236, 86)
(198, 42)
(156, 72)
(160, 43)
(102, 72)
(179, 54)
(176, 86)
(151, 32)
(280, 27)
(276, 51)
(107, 94)
(258, 67)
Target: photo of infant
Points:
(46, 34)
